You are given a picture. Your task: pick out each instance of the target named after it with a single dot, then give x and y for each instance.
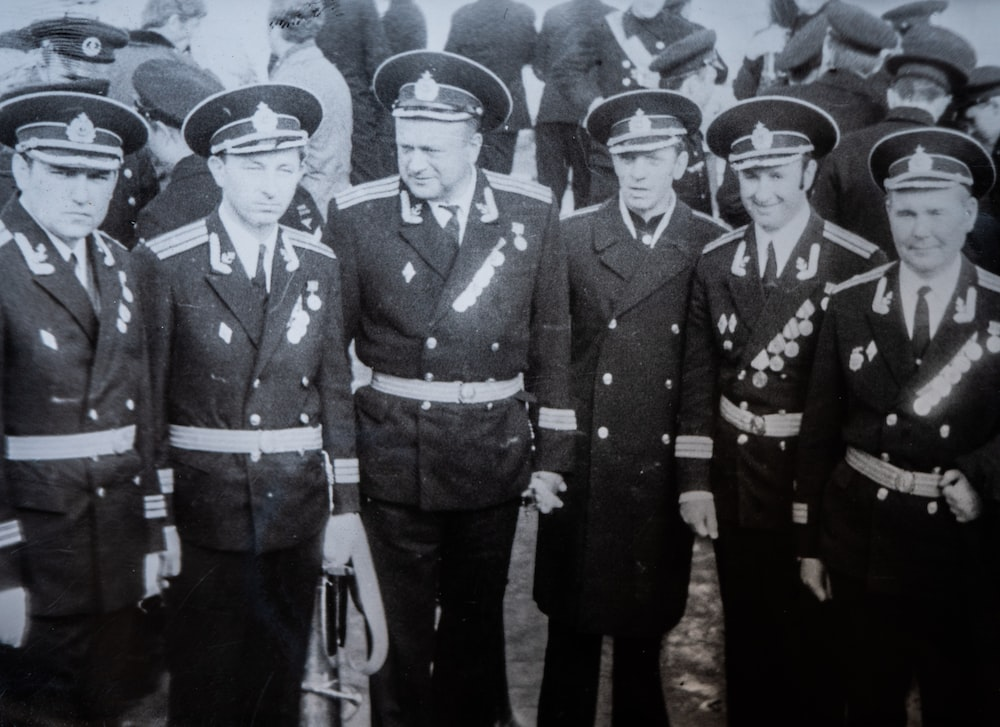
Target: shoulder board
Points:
(714, 220)
(519, 186)
(580, 212)
(180, 240)
(306, 241)
(379, 189)
(736, 234)
(859, 279)
(109, 240)
(848, 240)
(988, 280)
(5, 235)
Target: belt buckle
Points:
(466, 393)
(905, 482)
(121, 441)
(758, 425)
(266, 441)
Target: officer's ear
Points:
(21, 167)
(680, 164)
(217, 166)
(970, 206)
(475, 142)
(809, 168)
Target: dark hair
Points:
(299, 20)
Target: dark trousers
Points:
(457, 560)
(780, 667)
(560, 148)
(497, 153)
(890, 639)
(238, 628)
(75, 668)
(571, 677)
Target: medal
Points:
(921, 407)
(856, 360)
(777, 363)
(727, 345)
(993, 344)
(759, 379)
(973, 350)
(806, 328)
(791, 349)
(519, 242)
(777, 345)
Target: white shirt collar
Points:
(784, 240)
(942, 289)
(246, 244)
(654, 238)
(462, 199)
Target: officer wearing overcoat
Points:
(81, 513)
(255, 414)
(462, 313)
(751, 336)
(616, 558)
(899, 444)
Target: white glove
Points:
(170, 559)
(338, 540)
(13, 616)
(151, 575)
(543, 491)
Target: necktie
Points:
(921, 323)
(770, 279)
(260, 276)
(82, 272)
(452, 229)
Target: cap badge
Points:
(81, 130)
(762, 137)
(640, 123)
(921, 162)
(426, 88)
(91, 47)
(264, 120)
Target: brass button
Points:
(255, 420)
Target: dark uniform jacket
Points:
(405, 26)
(758, 353)
(845, 193)
(86, 524)
(616, 558)
(499, 34)
(853, 102)
(870, 394)
(217, 365)
(560, 25)
(498, 310)
(193, 194)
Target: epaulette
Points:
(848, 240)
(519, 186)
(306, 241)
(988, 280)
(579, 213)
(724, 240)
(865, 277)
(378, 189)
(180, 240)
(109, 240)
(708, 218)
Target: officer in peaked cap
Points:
(246, 360)
(79, 38)
(692, 67)
(188, 191)
(800, 59)
(980, 102)
(460, 285)
(923, 80)
(631, 262)
(897, 481)
(849, 89)
(83, 531)
(908, 16)
(758, 298)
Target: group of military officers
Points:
(180, 418)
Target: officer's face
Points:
(647, 8)
(69, 203)
(647, 178)
(929, 226)
(774, 195)
(258, 187)
(984, 119)
(436, 157)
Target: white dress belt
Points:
(449, 392)
(246, 441)
(766, 425)
(921, 484)
(70, 446)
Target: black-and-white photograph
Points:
(500, 363)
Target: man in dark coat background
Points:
(616, 558)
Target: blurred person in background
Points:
(404, 25)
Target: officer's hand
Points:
(962, 499)
(543, 491)
(13, 616)
(170, 559)
(769, 40)
(338, 541)
(700, 517)
(813, 574)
